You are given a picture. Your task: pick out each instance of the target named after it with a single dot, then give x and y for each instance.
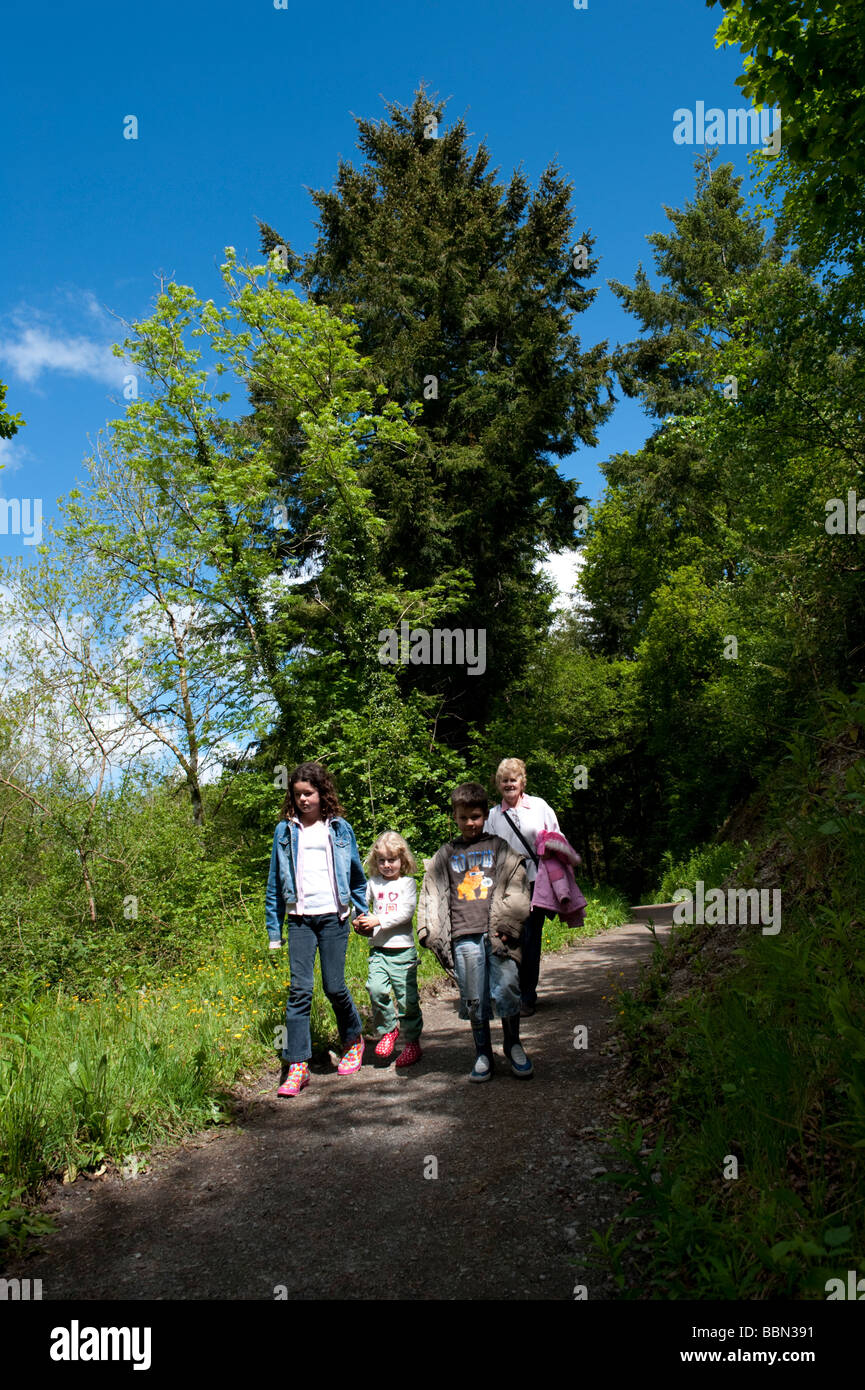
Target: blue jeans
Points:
(306, 935)
(530, 964)
(487, 982)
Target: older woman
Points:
(518, 820)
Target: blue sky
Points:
(241, 107)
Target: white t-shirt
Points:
(531, 814)
(315, 895)
(393, 901)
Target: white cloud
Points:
(12, 456)
(39, 349)
(93, 307)
(79, 302)
(564, 570)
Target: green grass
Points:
(760, 1060)
(710, 864)
(101, 1080)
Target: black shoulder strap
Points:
(516, 829)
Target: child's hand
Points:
(372, 922)
(362, 924)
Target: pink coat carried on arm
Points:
(556, 889)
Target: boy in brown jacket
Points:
(473, 904)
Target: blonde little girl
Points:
(392, 897)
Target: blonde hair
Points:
(510, 767)
(393, 842)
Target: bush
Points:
(711, 863)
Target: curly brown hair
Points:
(319, 777)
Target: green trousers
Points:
(396, 971)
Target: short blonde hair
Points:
(510, 767)
(396, 844)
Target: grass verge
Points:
(744, 1064)
(87, 1082)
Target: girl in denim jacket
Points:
(315, 879)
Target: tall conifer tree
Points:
(464, 290)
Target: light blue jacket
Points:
(349, 882)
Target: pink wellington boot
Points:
(351, 1058)
(298, 1077)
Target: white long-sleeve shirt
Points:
(315, 877)
(532, 814)
(393, 901)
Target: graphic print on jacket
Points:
(471, 867)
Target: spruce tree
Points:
(464, 290)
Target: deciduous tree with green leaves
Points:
(807, 57)
(708, 562)
(9, 423)
(209, 594)
(669, 492)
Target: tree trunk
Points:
(88, 884)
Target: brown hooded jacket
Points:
(510, 904)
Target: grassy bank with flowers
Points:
(87, 1081)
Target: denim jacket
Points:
(281, 896)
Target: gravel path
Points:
(325, 1196)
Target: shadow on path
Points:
(325, 1196)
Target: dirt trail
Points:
(326, 1196)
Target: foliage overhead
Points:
(808, 58)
